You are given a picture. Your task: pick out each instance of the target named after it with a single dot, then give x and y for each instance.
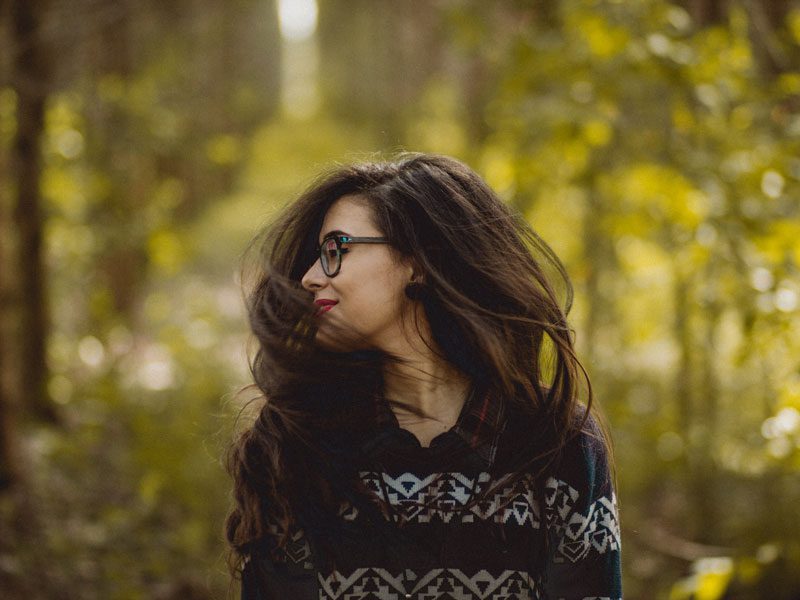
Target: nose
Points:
(315, 278)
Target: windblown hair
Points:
(496, 303)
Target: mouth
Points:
(324, 306)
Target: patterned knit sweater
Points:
(558, 539)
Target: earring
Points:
(415, 291)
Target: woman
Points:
(420, 432)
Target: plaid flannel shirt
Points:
(479, 425)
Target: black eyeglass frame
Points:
(340, 239)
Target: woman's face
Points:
(369, 288)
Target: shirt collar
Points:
(479, 424)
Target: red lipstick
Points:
(325, 305)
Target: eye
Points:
(329, 247)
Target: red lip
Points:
(325, 302)
(324, 305)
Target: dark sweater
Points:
(511, 546)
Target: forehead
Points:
(351, 214)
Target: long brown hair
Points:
(496, 303)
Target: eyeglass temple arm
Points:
(364, 240)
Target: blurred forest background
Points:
(655, 145)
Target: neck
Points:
(424, 381)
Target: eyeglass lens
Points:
(329, 256)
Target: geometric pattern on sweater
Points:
(578, 532)
(422, 500)
(441, 496)
(381, 584)
(297, 550)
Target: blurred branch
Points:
(655, 535)
(764, 19)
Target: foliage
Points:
(656, 153)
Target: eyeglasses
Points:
(330, 251)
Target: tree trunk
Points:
(595, 298)
(705, 12)
(29, 79)
(9, 474)
(685, 396)
(706, 476)
(379, 75)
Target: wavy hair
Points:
(496, 303)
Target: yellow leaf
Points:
(713, 576)
(604, 40)
(597, 132)
(793, 21)
(224, 150)
(166, 251)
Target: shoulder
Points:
(582, 453)
(586, 460)
(574, 474)
(580, 499)
(580, 512)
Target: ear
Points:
(413, 270)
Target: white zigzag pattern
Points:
(441, 496)
(381, 583)
(577, 533)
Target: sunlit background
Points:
(655, 145)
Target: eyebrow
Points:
(334, 232)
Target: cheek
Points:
(378, 301)
(392, 285)
(383, 295)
